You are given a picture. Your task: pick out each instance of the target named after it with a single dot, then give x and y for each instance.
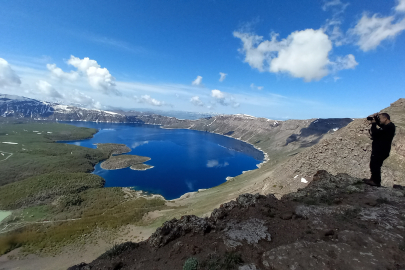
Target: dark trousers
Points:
(376, 161)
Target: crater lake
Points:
(183, 160)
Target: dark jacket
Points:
(382, 139)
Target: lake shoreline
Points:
(264, 160)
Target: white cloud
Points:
(8, 77)
(331, 4)
(401, 6)
(256, 51)
(60, 74)
(196, 101)
(253, 86)
(371, 31)
(347, 62)
(79, 98)
(47, 89)
(303, 54)
(99, 78)
(221, 98)
(213, 163)
(338, 5)
(197, 81)
(223, 75)
(332, 26)
(149, 100)
(82, 64)
(217, 94)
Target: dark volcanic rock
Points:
(174, 228)
(330, 224)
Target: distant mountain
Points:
(271, 136)
(176, 114)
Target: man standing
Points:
(382, 138)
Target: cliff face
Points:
(336, 222)
(271, 136)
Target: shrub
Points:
(191, 264)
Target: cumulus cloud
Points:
(303, 54)
(213, 163)
(99, 78)
(221, 98)
(196, 101)
(8, 77)
(371, 31)
(401, 6)
(197, 81)
(47, 89)
(223, 75)
(217, 94)
(60, 74)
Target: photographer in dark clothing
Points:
(382, 138)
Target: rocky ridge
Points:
(336, 222)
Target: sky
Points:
(276, 59)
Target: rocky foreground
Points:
(336, 222)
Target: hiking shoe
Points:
(371, 183)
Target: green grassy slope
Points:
(45, 188)
(36, 153)
(54, 200)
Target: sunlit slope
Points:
(347, 151)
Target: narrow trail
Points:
(23, 224)
(9, 155)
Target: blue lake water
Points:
(184, 160)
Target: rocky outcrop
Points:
(336, 222)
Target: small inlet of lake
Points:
(183, 160)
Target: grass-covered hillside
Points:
(54, 199)
(28, 149)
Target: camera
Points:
(376, 118)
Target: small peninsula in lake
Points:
(113, 148)
(118, 161)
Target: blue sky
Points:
(282, 59)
